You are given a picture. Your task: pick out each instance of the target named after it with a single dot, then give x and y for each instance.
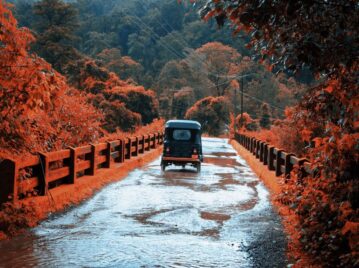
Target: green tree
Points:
(97, 42)
(55, 25)
(124, 66)
(23, 12)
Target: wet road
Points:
(218, 218)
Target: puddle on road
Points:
(215, 216)
(153, 219)
(221, 161)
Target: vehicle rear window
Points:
(181, 134)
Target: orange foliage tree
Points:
(217, 62)
(245, 122)
(126, 106)
(182, 100)
(56, 23)
(212, 113)
(124, 66)
(137, 99)
(38, 110)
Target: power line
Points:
(182, 56)
(173, 51)
(186, 44)
(168, 47)
(256, 99)
(155, 34)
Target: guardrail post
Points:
(237, 137)
(265, 154)
(302, 161)
(92, 157)
(279, 162)
(136, 146)
(148, 142)
(128, 147)
(143, 144)
(44, 174)
(107, 164)
(158, 138)
(72, 164)
(121, 150)
(258, 143)
(254, 146)
(155, 140)
(261, 151)
(9, 181)
(287, 165)
(302, 171)
(271, 157)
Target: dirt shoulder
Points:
(15, 218)
(289, 220)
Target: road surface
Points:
(219, 218)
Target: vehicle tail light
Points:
(195, 151)
(167, 149)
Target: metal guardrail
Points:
(50, 170)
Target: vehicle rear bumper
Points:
(180, 159)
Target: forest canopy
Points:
(162, 45)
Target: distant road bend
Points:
(219, 218)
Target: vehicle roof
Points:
(186, 124)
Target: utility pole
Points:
(171, 107)
(235, 102)
(235, 109)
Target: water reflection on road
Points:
(218, 218)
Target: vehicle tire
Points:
(198, 167)
(163, 167)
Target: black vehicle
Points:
(182, 144)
